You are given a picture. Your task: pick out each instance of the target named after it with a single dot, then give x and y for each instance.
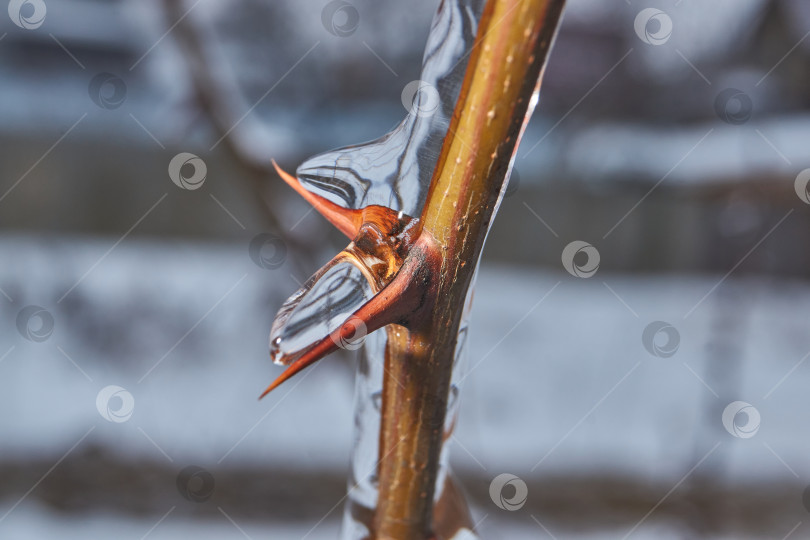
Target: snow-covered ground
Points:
(559, 382)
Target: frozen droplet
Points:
(323, 304)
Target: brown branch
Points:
(217, 95)
(215, 89)
(502, 76)
(422, 267)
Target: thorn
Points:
(398, 300)
(347, 220)
(370, 313)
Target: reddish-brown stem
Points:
(502, 76)
(422, 289)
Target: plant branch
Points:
(217, 95)
(497, 97)
(426, 264)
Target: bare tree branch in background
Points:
(218, 96)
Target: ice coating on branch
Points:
(374, 192)
(336, 293)
(323, 304)
(395, 170)
(415, 258)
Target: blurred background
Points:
(649, 382)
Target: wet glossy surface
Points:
(325, 302)
(395, 170)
